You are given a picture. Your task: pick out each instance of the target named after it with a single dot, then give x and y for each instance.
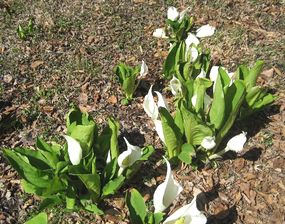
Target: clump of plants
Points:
(82, 172)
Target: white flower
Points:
(191, 39)
(236, 143)
(108, 157)
(208, 142)
(144, 69)
(159, 33)
(74, 150)
(207, 101)
(202, 74)
(159, 130)
(175, 86)
(194, 53)
(172, 13)
(150, 107)
(166, 192)
(129, 157)
(188, 214)
(205, 31)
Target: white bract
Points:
(188, 214)
(202, 74)
(236, 143)
(151, 109)
(208, 142)
(205, 31)
(175, 86)
(172, 13)
(129, 157)
(207, 101)
(159, 33)
(166, 192)
(159, 129)
(74, 150)
(144, 69)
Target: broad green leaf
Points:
(31, 174)
(70, 198)
(200, 86)
(178, 120)
(187, 151)
(252, 95)
(91, 182)
(113, 185)
(48, 152)
(158, 217)
(199, 132)
(235, 96)
(93, 208)
(254, 72)
(40, 218)
(55, 186)
(50, 202)
(129, 86)
(110, 170)
(217, 111)
(170, 62)
(114, 147)
(136, 206)
(242, 72)
(35, 158)
(171, 132)
(224, 77)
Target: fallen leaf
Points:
(112, 99)
(36, 64)
(7, 78)
(83, 98)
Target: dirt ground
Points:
(69, 58)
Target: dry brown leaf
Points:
(48, 109)
(36, 64)
(112, 99)
(83, 99)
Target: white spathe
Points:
(172, 13)
(149, 105)
(208, 142)
(188, 214)
(205, 31)
(130, 156)
(159, 33)
(167, 191)
(74, 150)
(202, 74)
(236, 143)
(144, 69)
(191, 39)
(159, 129)
(194, 53)
(207, 101)
(175, 86)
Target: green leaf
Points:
(178, 120)
(187, 151)
(40, 218)
(171, 132)
(90, 206)
(48, 152)
(35, 158)
(217, 111)
(82, 128)
(114, 127)
(199, 132)
(200, 86)
(158, 217)
(235, 97)
(136, 206)
(113, 185)
(55, 186)
(170, 62)
(31, 174)
(254, 72)
(50, 202)
(92, 182)
(110, 170)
